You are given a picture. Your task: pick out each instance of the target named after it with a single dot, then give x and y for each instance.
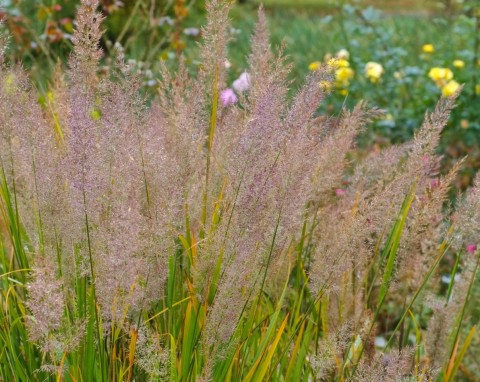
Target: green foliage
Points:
(395, 41)
(41, 32)
(357, 323)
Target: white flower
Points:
(343, 54)
(165, 20)
(242, 83)
(380, 342)
(446, 279)
(192, 32)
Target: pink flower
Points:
(194, 32)
(471, 248)
(242, 83)
(434, 183)
(340, 191)
(228, 97)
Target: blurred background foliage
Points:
(406, 37)
(391, 33)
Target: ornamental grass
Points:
(200, 237)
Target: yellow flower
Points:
(398, 75)
(9, 84)
(95, 114)
(440, 75)
(450, 88)
(342, 63)
(332, 63)
(373, 70)
(464, 123)
(343, 76)
(428, 48)
(477, 89)
(325, 85)
(459, 64)
(343, 54)
(315, 65)
(338, 63)
(344, 92)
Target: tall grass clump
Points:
(219, 237)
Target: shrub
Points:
(221, 238)
(42, 32)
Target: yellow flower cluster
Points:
(443, 78)
(440, 75)
(343, 72)
(374, 71)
